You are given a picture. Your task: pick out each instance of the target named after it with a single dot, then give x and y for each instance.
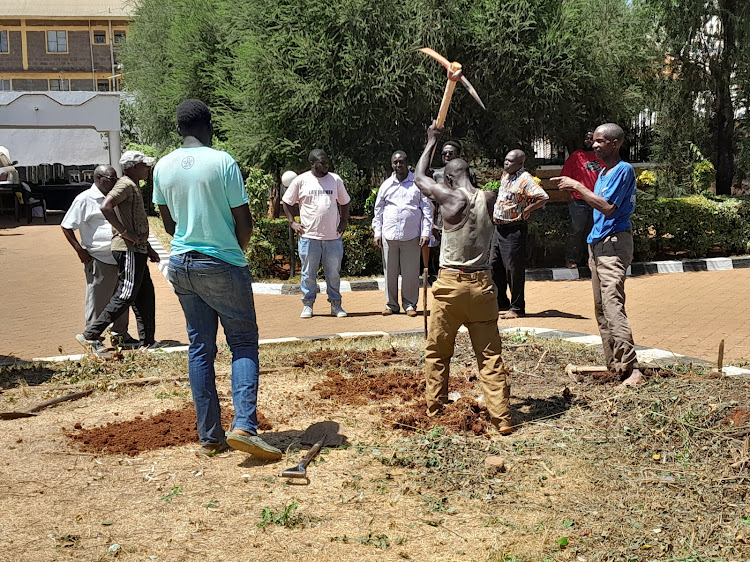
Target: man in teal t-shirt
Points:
(611, 249)
(203, 204)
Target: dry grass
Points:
(656, 473)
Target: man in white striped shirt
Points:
(401, 225)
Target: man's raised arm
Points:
(428, 186)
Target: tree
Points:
(285, 76)
(704, 99)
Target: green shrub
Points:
(704, 174)
(356, 184)
(258, 186)
(680, 227)
(361, 255)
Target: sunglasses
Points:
(448, 152)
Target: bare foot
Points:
(510, 315)
(241, 432)
(635, 378)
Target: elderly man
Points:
(584, 167)
(319, 194)
(463, 293)
(611, 249)
(95, 252)
(124, 209)
(401, 225)
(517, 197)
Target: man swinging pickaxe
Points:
(455, 74)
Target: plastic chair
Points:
(25, 205)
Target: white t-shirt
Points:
(317, 199)
(85, 216)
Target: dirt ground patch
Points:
(170, 428)
(659, 472)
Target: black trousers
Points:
(134, 288)
(508, 263)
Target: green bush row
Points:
(663, 228)
(269, 249)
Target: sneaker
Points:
(125, 341)
(253, 445)
(94, 345)
(337, 311)
(410, 312)
(306, 312)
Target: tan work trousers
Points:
(609, 260)
(469, 299)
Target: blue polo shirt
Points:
(617, 187)
(201, 186)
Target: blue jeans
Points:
(311, 253)
(210, 290)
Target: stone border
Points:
(646, 355)
(542, 274)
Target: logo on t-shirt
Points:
(188, 162)
(593, 166)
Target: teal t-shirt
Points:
(201, 186)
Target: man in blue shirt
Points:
(611, 249)
(203, 203)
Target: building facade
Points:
(48, 45)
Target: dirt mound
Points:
(167, 429)
(352, 361)
(367, 387)
(466, 416)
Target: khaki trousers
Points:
(609, 260)
(469, 299)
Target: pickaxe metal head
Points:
(455, 72)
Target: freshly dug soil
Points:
(167, 429)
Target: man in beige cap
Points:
(123, 208)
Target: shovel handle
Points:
(311, 454)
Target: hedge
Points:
(664, 228)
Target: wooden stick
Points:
(447, 95)
(424, 300)
(41, 406)
(720, 361)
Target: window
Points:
(99, 37)
(57, 41)
(119, 37)
(3, 40)
(4, 85)
(102, 85)
(60, 85)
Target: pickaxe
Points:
(455, 74)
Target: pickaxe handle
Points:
(447, 95)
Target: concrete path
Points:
(41, 305)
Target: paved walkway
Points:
(41, 305)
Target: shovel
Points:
(300, 471)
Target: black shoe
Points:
(124, 341)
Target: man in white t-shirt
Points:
(319, 194)
(95, 251)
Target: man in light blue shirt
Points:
(611, 249)
(401, 225)
(203, 203)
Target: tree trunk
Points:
(722, 71)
